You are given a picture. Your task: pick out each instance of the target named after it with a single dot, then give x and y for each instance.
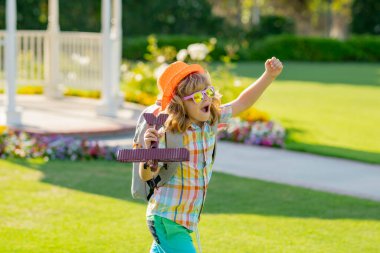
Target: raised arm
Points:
(250, 95)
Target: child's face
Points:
(201, 111)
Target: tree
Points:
(80, 15)
(366, 17)
(31, 14)
(143, 17)
(139, 17)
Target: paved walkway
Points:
(300, 169)
(71, 115)
(75, 116)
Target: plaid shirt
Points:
(181, 198)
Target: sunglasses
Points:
(199, 96)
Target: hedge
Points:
(289, 47)
(134, 48)
(285, 47)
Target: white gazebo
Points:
(57, 60)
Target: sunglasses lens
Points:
(198, 97)
(210, 92)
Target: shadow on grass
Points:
(226, 194)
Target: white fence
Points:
(30, 58)
(80, 59)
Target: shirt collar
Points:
(195, 126)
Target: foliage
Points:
(135, 48)
(139, 83)
(271, 25)
(28, 89)
(207, 17)
(82, 93)
(170, 17)
(288, 47)
(139, 80)
(18, 144)
(356, 48)
(3, 129)
(365, 17)
(366, 48)
(80, 15)
(31, 14)
(142, 17)
(253, 115)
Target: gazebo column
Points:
(116, 39)
(12, 114)
(52, 72)
(110, 100)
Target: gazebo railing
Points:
(81, 60)
(80, 64)
(30, 57)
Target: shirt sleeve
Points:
(226, 114)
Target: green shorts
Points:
(169, 237)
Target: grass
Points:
(64, 206)
(329, 109)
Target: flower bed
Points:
(263, 133)
(15, 144)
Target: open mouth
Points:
(206, 108)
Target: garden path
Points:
(71, 115)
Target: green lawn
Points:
(86, 207)
(330, 109)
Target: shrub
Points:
(285, 47)
(366, 48)
(135, 48)
(289, 47)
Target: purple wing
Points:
(157, 121)
(161, 155)
(150, 118)
(161, 120)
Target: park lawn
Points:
(63, 206)
(329, 109)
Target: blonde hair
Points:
(178, 120)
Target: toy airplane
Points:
(154, 154)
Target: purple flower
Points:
(23, 145)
